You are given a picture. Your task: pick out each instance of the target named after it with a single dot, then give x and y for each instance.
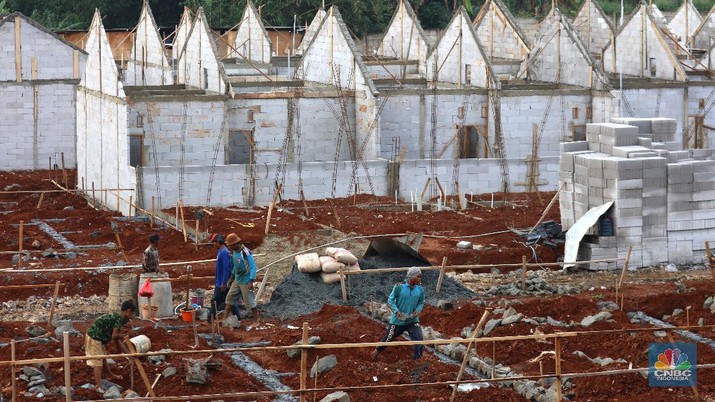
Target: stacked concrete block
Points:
(664, 201)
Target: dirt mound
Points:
(300, 294)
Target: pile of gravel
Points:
(300, 294)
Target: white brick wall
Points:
(182, 33)
(311, 31)
(687, 16)
(457, 48)
(148, 64)
(198, 64)
(592, 26)
(498, 37)
(404, 38)
(705, 34)
(252, 40)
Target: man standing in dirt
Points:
(104, 329)
(151, 255)
(406, 301)
(244, 273)
(222, 275)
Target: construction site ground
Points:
(560, 299)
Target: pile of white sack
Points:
(329, 265)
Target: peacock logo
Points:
(672, 364)
(672, 359)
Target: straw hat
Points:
(232, 239)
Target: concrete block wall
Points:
(148, 64)
(409, 117)
(252, 40)
(102, 140)
(319, 132)
(198, 121)
(404, 38)
(521, 111)
(555, 57)
(475, 175)
(198, 64)
(502, 40)
(657, 102)
(593, 27)
(458, 48)
(696, 94)
(656, 62)
(182, 33)
(686, 16)
(311, 31)
(704, 36)
(54, 58)
(28, 143)
(662, 209)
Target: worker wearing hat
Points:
(244, 273)
(406, 301)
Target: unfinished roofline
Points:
(146, 12)
(252, 8)
(411, 13)
(11, 17)
(711, 14)
(611, 27)
(682, 6)
(462, 13)
(222, 71)
(504, 10)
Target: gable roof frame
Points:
(411, 13)
(506, 15)
(201, 17)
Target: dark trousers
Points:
(415, 332)
(219, 300)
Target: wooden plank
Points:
(557, 361)
(13, 380)
(183, 221)
(75, 64)
(33, 67)
(140, 367)
(343, 289)
(523, 273)
(304, 362)
(67, 369)
(441, 274)
(53, 302)
(18, 50)
(711, 262)
(475, 333)
(39, 203)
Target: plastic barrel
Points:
(162, 293)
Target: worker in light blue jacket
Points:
(244, 274)
(406, 301)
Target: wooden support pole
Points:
(20, 246)
(18, 50)
(305, 203)
(64, 172)
(121, 247)
(623, 274)
(475, 334)
(151, 223)
(548, 208)
(140, 367)
(557, 362)
(67, 369)
(304, 362)
(439, 186)
(94, 198)
(53, 302)
(343, 289)
(271, 206)
(494, 358)
(39, 203)
(523, 273)
(131, 201)
(13, 380)
(711, 261)
(424, 189)
(183, 222)
(441, 274)
(196, 235)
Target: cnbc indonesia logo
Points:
(671, 365)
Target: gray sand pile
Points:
(300, 294)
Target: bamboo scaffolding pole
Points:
(140, 367)
(54, 302)
(183, 221)
(121, 247)
(548, 207)
(271, 206)
(41, 285)
(475, 334)
(343, 290)
(163, 264)
(710, 261)
(557, 362)
(64, 172)
(523, 272)
(20, 239)
(623, 273)
(39, 203)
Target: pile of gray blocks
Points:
(664, 196)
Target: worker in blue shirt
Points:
(406, 302)
(222, 275)
(244, 274)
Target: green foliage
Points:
(434, 15)
(4, 7)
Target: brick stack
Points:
(664, 198)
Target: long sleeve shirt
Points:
(244, 267)
(151, 259)
(223, 267)
(407, 300)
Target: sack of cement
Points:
(329, 265)
(328, 277)
(341, 255)
(352, 267)
(308, 262)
